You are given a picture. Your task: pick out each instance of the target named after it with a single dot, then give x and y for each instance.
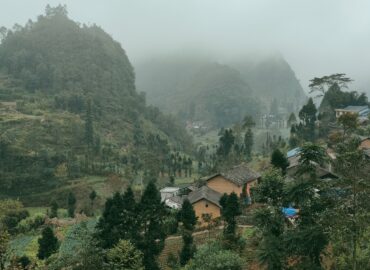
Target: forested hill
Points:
(68, 107)
(176, 84)
(56, 55)
(197, 90)
(271, 77)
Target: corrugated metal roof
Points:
(293, 152)
(355, 108)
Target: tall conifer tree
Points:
(48, 244)
(152, 213)
(278, 160)
(188, 219)
(108, 227)
(89, 128)
(71, 203)
(230, 210)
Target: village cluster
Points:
(240, 179)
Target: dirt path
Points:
(206, 232)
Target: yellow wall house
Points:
(239, 179)
(205, 201)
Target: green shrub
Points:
(30, 223)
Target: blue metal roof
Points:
(357, 109)
(293, 152)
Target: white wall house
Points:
(169, 192)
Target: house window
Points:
(206, 204)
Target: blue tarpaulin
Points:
(290, 212)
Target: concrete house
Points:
(169, 192)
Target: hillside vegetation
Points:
(69, 107)
(200, 89)
(272, 78)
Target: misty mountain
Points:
(271, 77)
(199, 89)
(69, 106)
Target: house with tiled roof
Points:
(364, 142)
(238, 179)
(206, 199)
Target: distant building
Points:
(206, 199)
(321, 172)
(365, 143)
(169, 192)
(175, 202)
(293, 152)
(362, 111)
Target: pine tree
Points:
(190, 164)
(308, 117)
(89, 128)
(92, 197)
(71, 204)
(226, 141)
(311, 156)
(172, 180)
(48, 244)
(54, 209)
(90, 255)
(310, 237)
(188, 219)
(351, 212)
(271, 250)
(24, 262)
(248, 143)
(292, 120)
(152, 213)
(278, 160)
(230, 210)
(124, 256)
(270, 220)
(108, 227)
(130, 219)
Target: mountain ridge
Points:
(269, 79)
(69, 107)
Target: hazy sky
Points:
(317, 37)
